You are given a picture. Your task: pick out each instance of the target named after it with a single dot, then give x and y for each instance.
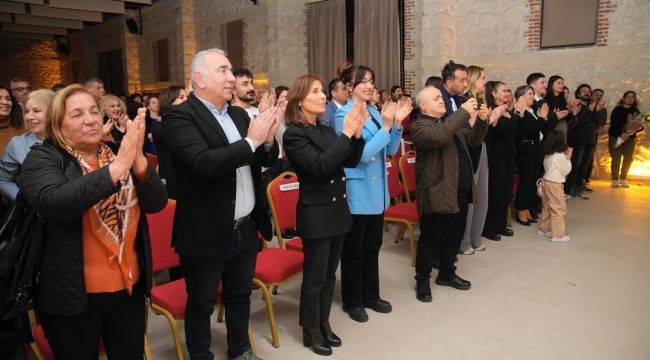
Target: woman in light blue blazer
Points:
(367, 193)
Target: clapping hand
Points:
(543, 111)
(354, 120)
(388, 115)
(520, 105)
(404, 110)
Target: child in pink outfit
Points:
(557, 165)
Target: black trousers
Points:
(500, 183)
(318, 279)
(202, 277)
(442, 234)
(580, 158)
(528, 174)
(360, 260)
(117, 318)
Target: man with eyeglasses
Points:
(20, 88)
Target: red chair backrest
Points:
(153, 160)
(395, 187)
(160, 232)
(407, 169)
(282, 193)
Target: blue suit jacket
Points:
(446, 96)
(367, 185)
(330, 111)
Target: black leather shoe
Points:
(330, 337)
(455, 282)
(357, 313)
(315, 339)
(525, 223)
(583, 188)
(492, 236)
(286, 234)
(532, 221)
(506, 232)
(534, 215)
(380, 306)
(423, 291)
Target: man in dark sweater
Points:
(444, 185)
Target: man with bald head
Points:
(445, 184)
(217, 152)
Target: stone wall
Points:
(39, 63)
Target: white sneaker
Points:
(623, 183)
(469, 251)
(561, 240)
(543, 233)
(480, 248)
(614, 183)
(567, 197)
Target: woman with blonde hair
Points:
(476, 213)
(113, 109)
(34, 115)
(96, 266)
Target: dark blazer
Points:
(552, 120)
(502, 138)
(165, 166)
(330, 111)
(318, 156)
(528, 136)
(446, 96)
(205, 164)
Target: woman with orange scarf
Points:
(96, 263)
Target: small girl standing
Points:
(557, 165)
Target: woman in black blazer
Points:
(529, 150)
(318, 156)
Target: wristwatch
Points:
(517, 112)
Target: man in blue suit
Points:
(454, 84)
(338, 96)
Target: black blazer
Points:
(552, 120)
(318, 156)
(205, 164)
(528, 136)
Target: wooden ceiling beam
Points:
(107, 6)
(34, 29)
(50, 12)
(43, 21)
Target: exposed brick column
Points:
(223, 34)
(409, 44)
(534, 21)
(604, 9)
(305, 34)
(244, 32)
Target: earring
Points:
(299, 104)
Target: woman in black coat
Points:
(529, 150)
(96, 268)
(501, 161)
(318, 156)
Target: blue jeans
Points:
(202, 277)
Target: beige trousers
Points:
(554, 209)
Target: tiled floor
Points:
(530, 299)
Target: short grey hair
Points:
(13, 82)
(419, 96)
(198, 63)
(90, 82)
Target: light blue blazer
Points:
(367, 185)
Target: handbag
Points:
(21, 237)
(540, 189)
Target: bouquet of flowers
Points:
(634, 122)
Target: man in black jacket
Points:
(217, 153)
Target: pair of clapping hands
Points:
(130, 155)
(262, 129)
(482, 112)
(395, 112)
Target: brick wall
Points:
(305, 33)
(410, 81)
(409, 29)
(533, 31)
(605, 8)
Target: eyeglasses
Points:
(23, 89)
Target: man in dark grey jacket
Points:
(444, 184)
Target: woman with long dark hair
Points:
(501, 161)
(318, 156)
(367, 190)
(529, 150)
(626, 106)
(11, 118)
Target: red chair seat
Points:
(407, 211)
(275, 265)
(171, 297)
(295, 244)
